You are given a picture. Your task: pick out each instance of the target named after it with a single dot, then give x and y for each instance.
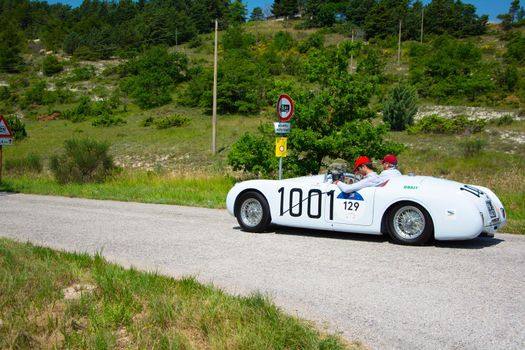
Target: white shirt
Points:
(370, 180)
(388, 174)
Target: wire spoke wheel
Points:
(410, 224)
(251, 212)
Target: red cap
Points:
(360, 161)
(390, 158)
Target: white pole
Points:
(214, 113)
(422, 21)
(280, 168)
(399, 46)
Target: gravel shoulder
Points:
(450, 295)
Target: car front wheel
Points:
(410, 223)
(253, 212)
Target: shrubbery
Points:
(31, 164)
(84, 160)
(400, 107)
(435, 124)
(472, 147)
(149, 78)
(85, 109)
(51, 65)
(171, 121)
(253, 154)
(107, 120)
(17, 126)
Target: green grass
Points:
(500, 166)
(139, 186)
(125, 308)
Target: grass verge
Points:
(138, 186)
(54, 299)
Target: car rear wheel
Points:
(252, 212)
(410, 223)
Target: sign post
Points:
(6, 138)
(285, 110)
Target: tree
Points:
(257, 14)
(400, 107)
(285, 8)
(238, 12)
(11, 41)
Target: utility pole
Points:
(352, 54)
(214, 113)
(422, 21)
(399, 45)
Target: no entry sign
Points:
(284, 108)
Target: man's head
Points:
(363, 165)
(390, 161)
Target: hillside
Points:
(83, 98)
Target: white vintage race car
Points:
(411, 209)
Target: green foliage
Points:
(148, 121)
(11, 44)
(107, 120)
(472, 147)
(257, 14)
(449, 68)
(30, 164)
(400, 107)
(435, 124)
(253, 154)
(84, 160)
(283, 41)
(85, 109)
(149, 78)
(314, 41)
(51, 65)
(17, 126)
(171, 121)
(82, 73)
(502, 121)
(507, 76)
(515, 48)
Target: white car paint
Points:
(458, 211)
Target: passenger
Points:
(389, 168)
(363, 166)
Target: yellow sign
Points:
(280, 146)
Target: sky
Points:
(484, 7)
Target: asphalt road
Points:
(454, 295)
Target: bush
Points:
(51, 65)
(147, 121)
(172, 121)
(84, 160)
(400, 107)
(472, 147)
(17, 127)
(435, 124)
(107, 120)
(85, 108)
(505, 120)
(253, 154)
(31, 164)
(82, 73)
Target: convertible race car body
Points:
(412, 209)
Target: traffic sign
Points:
(280, 146)
(285, 108)
(6, 135)
(282, 128)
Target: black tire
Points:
(409, 223)
(252, 212)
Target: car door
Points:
(302, 205)
(356, 208)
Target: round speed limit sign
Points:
(285, 108)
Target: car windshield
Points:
(345, 177)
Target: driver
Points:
(389, 167)
(363, 166)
